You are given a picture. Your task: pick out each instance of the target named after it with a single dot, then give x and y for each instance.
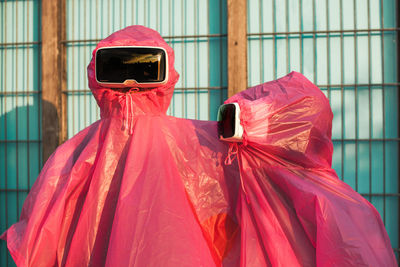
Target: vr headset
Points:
(131, 66)
(229, 127)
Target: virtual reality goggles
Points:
(229, 127)
(131, 66)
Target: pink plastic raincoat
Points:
(294, 211)
(140, 188)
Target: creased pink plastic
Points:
(140, 188)
(294, 209)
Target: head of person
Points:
(134, 63)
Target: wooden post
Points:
(237, 46)
(51, 89)
(63, 74)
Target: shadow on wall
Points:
(21, 156)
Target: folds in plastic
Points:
(140, 188)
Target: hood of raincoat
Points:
(133, 101)
(290, 117)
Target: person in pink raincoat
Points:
(140, 188)
(136, 188)
(294, 210)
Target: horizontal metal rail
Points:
(20, 43)
(5, 93)
(324, 31)
(380, 194)
(14, 190)
(339, 85)
(20, 141)
(364, 139)
(165, 37)
(83, 91)
(18, 92)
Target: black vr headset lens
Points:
(229, 126)
(226, 121)
(141, 64)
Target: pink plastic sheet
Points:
(140, 188)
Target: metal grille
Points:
(349, 49)
(20, 104)
(195, 29)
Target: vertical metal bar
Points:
(208, 58)
(16, 109)
(27, 95)
(261, 18)
(237, 46)
(159, 15)
(137, 10)
(328, 51)
(221, 93)
(146, 14)
(287, 37)
(369, 103)
(341, 87)
(97, 33)
(39, 75)
(314, 44)
(73, 60)
(274, 38)
(78, 61)
(196, 91)
(183, 49)
(63, 71)
(398, 110)
(356, 94)
(300, 36)
(5, 122)
(249, 53)
(126, 16)
(108, 17)
(384, 115)
(170, 32)
(220, 54)
(97, 15)
(84, 37)
(120, 16)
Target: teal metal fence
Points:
(349, 49)
(20, 105)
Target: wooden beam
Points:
(63, 74)
(51, 89)
(237, 46)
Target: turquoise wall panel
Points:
(20, 109)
